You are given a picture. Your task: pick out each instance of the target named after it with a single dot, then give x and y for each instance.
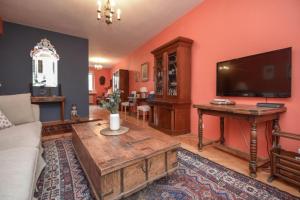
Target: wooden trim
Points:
(176, 40)
(297, 172)
(283, 175)
(287, 135)
(286, 158)
(47, 99)
(252, 110)
(210, 142)
(238, 153)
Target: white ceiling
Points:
(141, 20)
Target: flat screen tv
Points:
(262, 75)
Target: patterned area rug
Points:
(196, 178)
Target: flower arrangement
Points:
(112, 105)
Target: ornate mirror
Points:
(44, 64)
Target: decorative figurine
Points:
(74, 113)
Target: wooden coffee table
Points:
(117, 166)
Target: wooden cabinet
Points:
(170, 110)
(121, 81)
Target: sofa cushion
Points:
(17, 108)
(36, 112)
(4, 122)
(24, 135)
(17, 172)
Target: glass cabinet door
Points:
(172, 74)
(116, 81)
(159, 80)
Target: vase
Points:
(114, 122)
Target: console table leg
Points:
(276, 128)
(200, 130)
(62, 111)
(222, 138)
(253, 151)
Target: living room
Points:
(162, 100)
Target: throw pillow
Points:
(4, 122)
(17, 108)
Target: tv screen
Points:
(262, 75)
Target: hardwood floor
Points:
(189, 142)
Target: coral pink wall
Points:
(133, 63)
(226, 29)
(100, 89)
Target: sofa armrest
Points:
(36, 112)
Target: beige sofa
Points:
(20, 158)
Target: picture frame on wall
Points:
(145, 71)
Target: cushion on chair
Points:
(125, 103)
(144, 108)
(132, 103)
(4, 122)
(17, 108)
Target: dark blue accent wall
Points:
(16, 66)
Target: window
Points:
(91, 81)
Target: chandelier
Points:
(97, 67)
(107, 11)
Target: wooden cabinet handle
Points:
(143, 168)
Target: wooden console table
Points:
(51, 99)
(249, 113)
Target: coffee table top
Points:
(110, 153)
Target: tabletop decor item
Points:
(112, 105)
(74, 113)
(143, 91)
(109, 132)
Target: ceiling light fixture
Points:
(99, 60)
(98, 67)
(107, 11)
